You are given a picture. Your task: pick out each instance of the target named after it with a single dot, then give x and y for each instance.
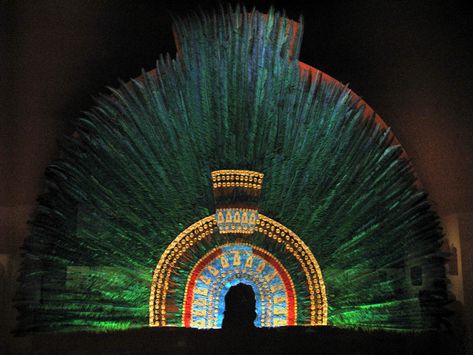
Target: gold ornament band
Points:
(236, 220)
(237, 178)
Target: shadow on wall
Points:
(240, 308)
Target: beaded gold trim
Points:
(237, 178)
(297, 247)
(160, 284)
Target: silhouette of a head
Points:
(240, 308)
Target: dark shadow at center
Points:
(240, 308)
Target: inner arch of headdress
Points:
(228, 264)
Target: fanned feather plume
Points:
(136, 173)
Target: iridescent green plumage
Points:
(137, 172)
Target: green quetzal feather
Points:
(137, 172)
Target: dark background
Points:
(410, 60)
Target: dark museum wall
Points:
(410, 61)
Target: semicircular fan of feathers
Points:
(137, 172)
